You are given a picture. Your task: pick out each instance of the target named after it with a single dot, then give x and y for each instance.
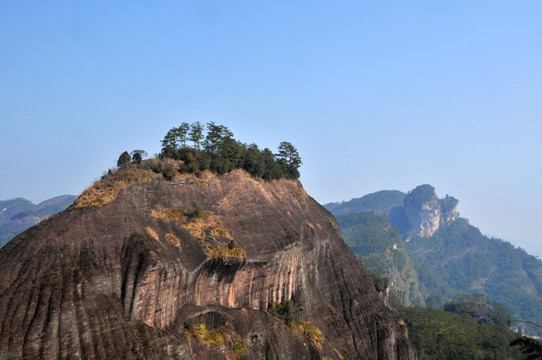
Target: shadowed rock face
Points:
(119, 281)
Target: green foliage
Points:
(216, 150)
(138, 155)
(289, 160)
(124, 159)
(381, 282)
(196, 134)
(420, 195)
(367, 233)
(448, 203)
(287, 312)
(438, 334)
(379, 246)
(198, 332)
(459, 259)
(290, 314)
(479, 307)
(238, 348)
(529, 347)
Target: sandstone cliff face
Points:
(127, 279)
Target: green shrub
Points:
(238, 348)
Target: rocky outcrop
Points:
(422, 213)
(140, 267)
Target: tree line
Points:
(213, 147)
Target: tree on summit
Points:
(138, 155)
(196, 134)
(213, 147)
(124, 158)
(289, 159)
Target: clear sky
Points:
(374, 94)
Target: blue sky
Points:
(375, 95)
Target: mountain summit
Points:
(423, 213)
(200, 265)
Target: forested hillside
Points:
(459, 259)
(456, 258)
(379, 246)
(380, 203)
(469, 327)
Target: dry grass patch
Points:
(200, 332)
(203, 227)
(168, 214)
(152, 233)
(223, 252)
(335, 350)
(299, 192)
(207, 229)
(181, 215)
(173, 240)
(309, 331)
(217, 337)
(107, 188)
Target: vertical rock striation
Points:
(129, 278)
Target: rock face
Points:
(138, 263)
(422, 213)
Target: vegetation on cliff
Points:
(380, 248)
(456, 259)
(290, 313)
(213, 147)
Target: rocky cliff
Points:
(140, 267)
(422, 213)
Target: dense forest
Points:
(213, 147)
(468, 327)
(460, 259)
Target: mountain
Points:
(450, 257)
(199, 266)
(380, 203)
(382, 251)
(19, 214)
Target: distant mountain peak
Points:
(418, 213)
(424, 213)
(17, 215)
